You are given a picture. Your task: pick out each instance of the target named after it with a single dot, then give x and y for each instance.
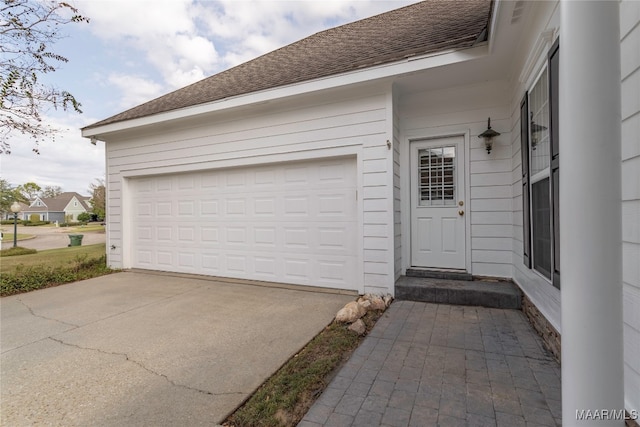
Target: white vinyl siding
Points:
(73, 209)
(377, 194)
(397, 199)
(630, 67)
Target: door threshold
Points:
(438, 273)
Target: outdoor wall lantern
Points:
(15, 208)
(488, 136)
(535, 129)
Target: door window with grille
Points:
(437, 182)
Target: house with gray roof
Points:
(488, 139)
(64, 207)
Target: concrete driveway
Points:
(49, 237)
(148, 349)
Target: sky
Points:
(133, 51)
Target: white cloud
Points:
(69, 161)
(135, 90)
(163, 31)
(113, 19)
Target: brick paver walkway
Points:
(443, 365)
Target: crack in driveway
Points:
(151, 371)
(45, 317)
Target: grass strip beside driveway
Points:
(8, 237)
(284, 399)
(24, 273)
(51, 257)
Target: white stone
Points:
(377, 303)
(358, 327)
(350, 312)
(366, 305)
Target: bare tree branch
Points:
(27, 28)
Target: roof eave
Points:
(378, 72)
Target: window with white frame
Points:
(540, 171)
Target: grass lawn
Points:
(52, 257)
(85, 229)
(8, 237)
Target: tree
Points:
(29, 190)
(98, 198)
(27, 28)
(50, 191)
(8, 195)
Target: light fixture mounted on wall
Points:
(535, 129)
(488, 136)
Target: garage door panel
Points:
(209, 208)
(265, 236)
(294, 223)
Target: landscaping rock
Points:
(377, 303)
(358, 327)
(365, 304)
(350, 312)
(387, 300)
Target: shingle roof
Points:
(418, 29)
(58, 203)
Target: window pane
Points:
(539, 125)
(541, 216)
(436, 170)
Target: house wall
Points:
(630, 70)
(74, 211)
(56, 216)
(464, 110)
(325, 125)
(539, 36)
(397, 194)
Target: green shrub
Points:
(35, 224)
(84, 217)
(26, 279)
(17, 251)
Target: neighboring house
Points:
(62, 208)
(351, 156)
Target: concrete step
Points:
(493, 294)
(439, 274)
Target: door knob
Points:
(460, 212)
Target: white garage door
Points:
(291, 223)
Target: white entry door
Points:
(438, 203)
